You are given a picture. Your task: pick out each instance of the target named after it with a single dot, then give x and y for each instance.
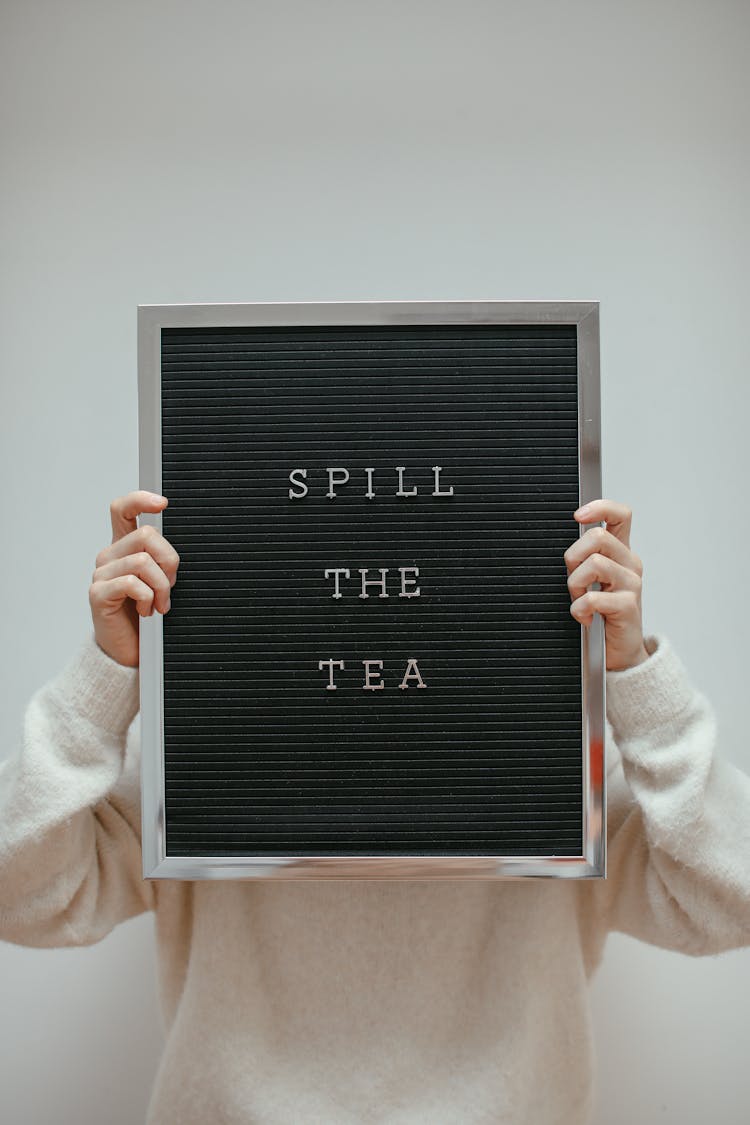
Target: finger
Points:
(614, 605)
(107, 596)
(601, 541)
(145, 538)
(146, 567)
(125, 510)
(601, 568)
(618, 517)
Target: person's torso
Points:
(383, 1001)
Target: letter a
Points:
(412, 673)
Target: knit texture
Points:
(349, 1002)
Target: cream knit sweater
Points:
(346, 1002)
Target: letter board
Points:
(370, 667)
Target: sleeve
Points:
(70, 851)
(678, 866)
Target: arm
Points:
(678, 868)
(70, 855)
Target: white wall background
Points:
(158, 151)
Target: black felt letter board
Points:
(261, 756)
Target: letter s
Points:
(301, 483)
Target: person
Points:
(343, 1001)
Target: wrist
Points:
(115, 659)
(119, 650)
(641, 655)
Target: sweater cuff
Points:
(99, 689)
(648, 695)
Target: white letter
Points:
(437, 469)
(373, 582)
(336, 573)
(367, 686)
(303, 486)
(412, 675)
(400, 470)
(404, 580)
(330, 686)
(341, 480)
(369, 494)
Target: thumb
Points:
(125, 510)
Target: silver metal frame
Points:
(156, 864)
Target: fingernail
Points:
(155, 497)
(584, 511)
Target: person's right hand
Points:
(133, 577)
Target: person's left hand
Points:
(603, 555)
